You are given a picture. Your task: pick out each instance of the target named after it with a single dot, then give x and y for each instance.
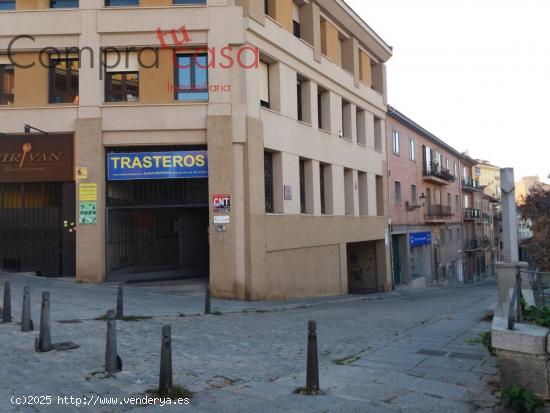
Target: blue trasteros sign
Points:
(420, 238)
(157, 165)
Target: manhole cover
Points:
(428, 352)
(466, 356)
(69, 321)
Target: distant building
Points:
(488, 177)
(425, 204)
(525, 184)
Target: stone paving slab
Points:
(253, 361)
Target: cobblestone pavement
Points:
(407, 351)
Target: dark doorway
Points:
(362, 267)
(37, 222)
(158, 227)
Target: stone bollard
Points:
(120, 303)
(6, 310)
(207, 305)
(312, 374)
(113, 362)
(165, 377)
(44, 341)
(26, 320)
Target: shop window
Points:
(192, 78)
(64, 4)
(264, 85)
(121, 3)
(268, 181)
(7, 4)
(121, 77)
(64, 80)
(6, 84)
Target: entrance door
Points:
(397, 276)
(37, 228)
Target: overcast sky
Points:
(474, 73)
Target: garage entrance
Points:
(157, 228)
(362, 267)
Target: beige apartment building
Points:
(236, 139)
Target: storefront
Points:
(157, 213)
(420, 243)
(37, 204)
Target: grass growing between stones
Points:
(346, 360)
(486, 340)
(126, 318)
(175, 392)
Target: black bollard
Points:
(165, 377)
(44, 342)
(312, 378)
(207, 305)
(113, 362)
(26, 320)
(120, 303)
(6, 310)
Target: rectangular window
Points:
(449, 200)
(64, 4)
(296, 20)
(455, 169)
(457, 203)
(320, 109)
(395, 142)
(268, 181)
(264, 85)
(442, 236)
(397, 193)
(299, 100)
(192, 78)
(346, 119)
(7, 83)
(427, 153)
(323, 108)
(414, 195)
(121, 3)
(412, 149)
(361, 126)
(7, 4)
(466, 202)
(379, 131)
(64, 80)
(121, 77)
(322, 170)
(302, 167)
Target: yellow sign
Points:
(82, 172)
(88, 192)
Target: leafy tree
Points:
(535, 208)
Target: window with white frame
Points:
(395, 142)
(412, 150)
(264, 85)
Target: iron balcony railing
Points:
(472, 213)
(438, 211)
(472, 244)
(434, 169)
(470, 183)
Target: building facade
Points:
(425, 204)
(240, 140)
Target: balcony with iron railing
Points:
(476, 243)
(472, 214)
(435, 173)
(470, 184)
(437, 213)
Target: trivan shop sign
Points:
(157, 165)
